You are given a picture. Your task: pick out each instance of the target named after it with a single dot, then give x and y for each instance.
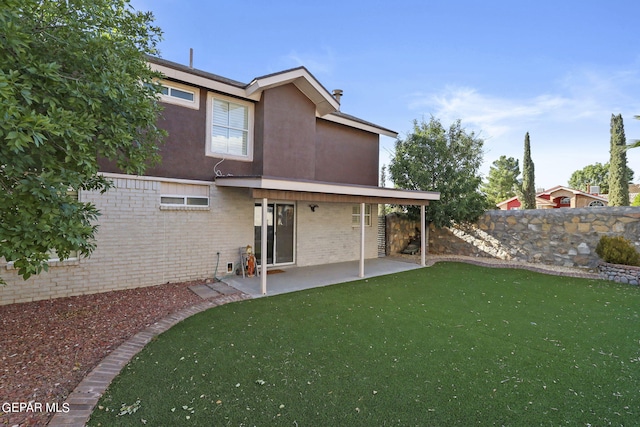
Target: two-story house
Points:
(560, 197)
(275, 151)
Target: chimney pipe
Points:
(190, 57)
(337, 94)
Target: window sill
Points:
(184, 208)
(52, 263)
(225, 156)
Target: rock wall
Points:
(620, 273)
(400, 230)
(564, 237)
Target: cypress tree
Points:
(528, 200)
(618, 180)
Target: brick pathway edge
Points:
(86, 395)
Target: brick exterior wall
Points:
(141, 243)
(327, 236)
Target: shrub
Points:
(617, 250)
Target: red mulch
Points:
(47, 347)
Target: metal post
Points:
(361, 274)
(263, 247)
(423, 239)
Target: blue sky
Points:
(556, 69)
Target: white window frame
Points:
(169, 99)
(355, 215)
(596, 204)
(248, 157)
(179, 200)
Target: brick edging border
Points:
(495, 263)
(85, 396)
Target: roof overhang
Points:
(319, 191)
(369, 127)
(304, 81)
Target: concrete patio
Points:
(291, 279)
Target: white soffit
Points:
(204, 82)
(265, 183)
(358, 125)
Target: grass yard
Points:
(452, 344)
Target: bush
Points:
(617, 250)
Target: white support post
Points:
(263, 247)
(423, 237)
(362, 206)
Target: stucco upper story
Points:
(284, 125)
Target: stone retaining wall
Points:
(620, 273)
(400, 230)
(563, 237)
(557, 237)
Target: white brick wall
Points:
(141, 244)
(327, 236)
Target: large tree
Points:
(528, 190)
(74, 87)
(435, 158)
(618, 179)
(502, 180)
(596, 174)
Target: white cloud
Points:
(322, 62)
(568, 124)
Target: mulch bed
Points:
(47, 347)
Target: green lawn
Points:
(452, 344)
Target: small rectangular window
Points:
(184, 201)
(179, 94)
(182, 94)
(355, 215)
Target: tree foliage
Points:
(618, 179)
(502, 180)
(447, 160)
(596, 174)
(74, 87)
(528, 189)
(635, 143)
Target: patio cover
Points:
(265, 188)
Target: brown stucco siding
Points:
(288, 142)
(183, 151)
(346, 155)
(287, 128)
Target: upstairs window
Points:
(175, 93)
(230, 128)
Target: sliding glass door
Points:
(280, 233)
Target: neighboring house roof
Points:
(327, 107)
(541, 201)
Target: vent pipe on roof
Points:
(190, 57)
(337, 94)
